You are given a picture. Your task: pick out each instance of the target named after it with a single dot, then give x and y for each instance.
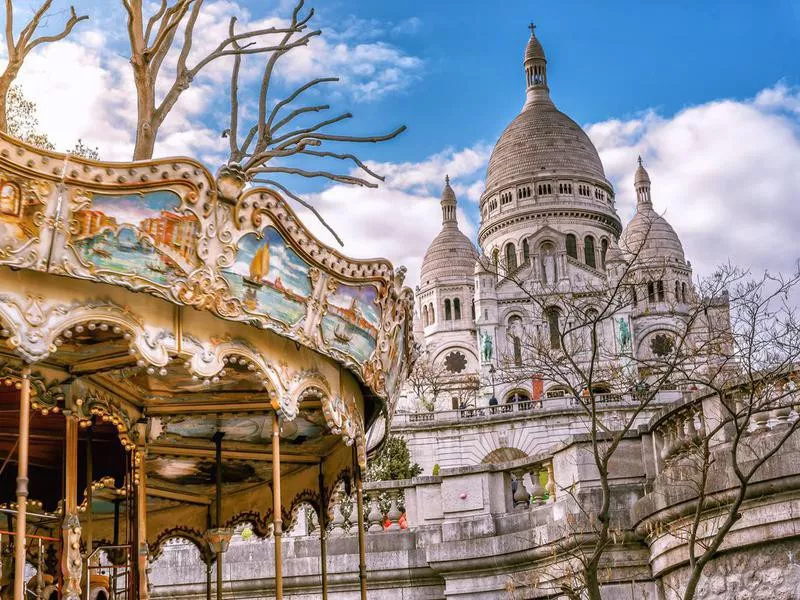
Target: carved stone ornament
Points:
(231, 180)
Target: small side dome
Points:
(649, 237)
(451, 254)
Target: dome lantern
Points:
(535, 68)
(641, 182)
(449, 204)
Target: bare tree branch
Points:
(19, 49)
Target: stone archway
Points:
(502, 455)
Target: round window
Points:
(455, 362)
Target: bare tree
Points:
(151, 39)
(581, 341)
(275, 136)
(18, 48)
(721, 444)
(427, 382)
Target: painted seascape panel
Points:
(270, 277)
(142, 234)
(352, 320)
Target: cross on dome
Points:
(532, 27)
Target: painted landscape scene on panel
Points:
(270, 277)
(138, 234)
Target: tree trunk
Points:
(593, 583)
(146, 128)
(6, 79)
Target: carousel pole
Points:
(362, 548)
(22, 483)
(89, 517)
(208, 562)
(141, 525)
(218, 444)
(71, 562)
(323, 525)
(277, 522)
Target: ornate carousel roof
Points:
(158, 314)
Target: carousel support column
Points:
(218, 443)
(89, 518)
(22, 483)
(277, 522)
(362, 548)
(141, 523)
(71, 562)
(209, 558)
(323, 526)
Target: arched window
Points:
(448, 315)
(572, 246)
(553, 316)
(588, 251)
(457, 309)
(634, 299)
(603, 251)
(511, 257)
(651, 292)
(432, 314)
(496, 260)
(677, 291)
(660, 289)
(683, 292)
(424, 316)
(473, 310)
(526, 251)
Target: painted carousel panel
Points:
(24, 205)
(270, 277)
(143, 236)
(352, 320)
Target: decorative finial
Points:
(640, 160)
(447, 179)
(532, 27)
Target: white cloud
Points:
(83, 86)
(399, 220)
(725, 175)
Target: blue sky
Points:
(706, 91)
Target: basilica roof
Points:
(649, 234)
(451, 253)
(541, 137)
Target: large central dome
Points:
(542, 138)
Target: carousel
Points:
(178, 356)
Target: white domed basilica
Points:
(548, 225)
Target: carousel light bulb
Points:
(8, 382)
(79, 328)
(58, 342)
(79, 401)
(150, 370)
(18, 385)
(162, 371)
(140, 363)
(117, 329)
(92, 326)
(103, 326)
(45, 412)
(67, 333)
(127, 336)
